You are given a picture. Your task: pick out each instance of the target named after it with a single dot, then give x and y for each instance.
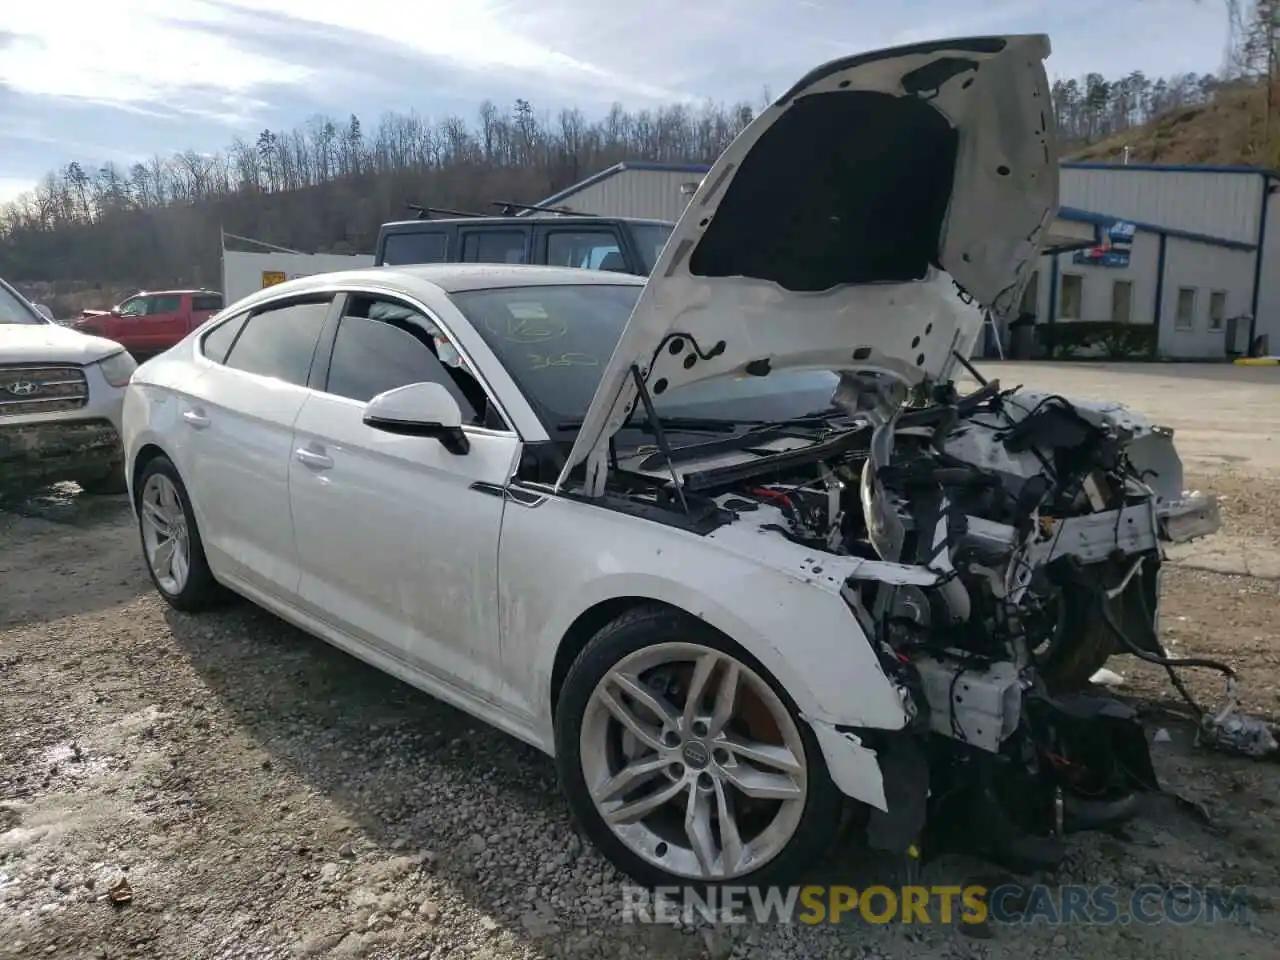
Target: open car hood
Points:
(863, 221)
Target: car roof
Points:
(410, 226)
(449, 277)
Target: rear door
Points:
(240, 430)
(502, 243)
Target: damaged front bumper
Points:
(47, 450)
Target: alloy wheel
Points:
(693, 761)
(165, 537)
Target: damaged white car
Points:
(729, 544)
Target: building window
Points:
(1217, 309)
(1072, 296)
(1121, 301)
(1185, 316)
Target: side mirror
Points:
(115, 311)
(419, 410)
(44, 311)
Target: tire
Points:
(195, 588)
(803, 827)
(107, 485)
(1085, 642)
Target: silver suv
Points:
(60, 398)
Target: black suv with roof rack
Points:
(535, 235)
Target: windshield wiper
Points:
(681, 424)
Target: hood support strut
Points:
(660, 436)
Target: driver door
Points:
(396, 548)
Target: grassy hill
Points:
(1229, 130)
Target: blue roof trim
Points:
(1169, 167)
(617, 168)
(1104, 219)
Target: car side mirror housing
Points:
(44, 311)
(419, 410)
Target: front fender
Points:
(796, 625)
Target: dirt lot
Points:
(266, 796)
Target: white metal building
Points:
(1196, 248)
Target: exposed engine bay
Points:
(1013, 542)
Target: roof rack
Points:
(424, 213)
(510, 208)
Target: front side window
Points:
(383, 344)
(13, 309)
(494, 246)
(134, 307)
(280, 341)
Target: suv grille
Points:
(41, 389)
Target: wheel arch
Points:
(146, 453)
(590, 622)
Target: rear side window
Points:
(280, 342)
(403, 249)
(209, 301)
(588, 249)
(494, 246)
(218, 341)
(166, 304)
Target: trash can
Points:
(1022, 337)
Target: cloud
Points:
(127, 79)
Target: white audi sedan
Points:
(729, 544)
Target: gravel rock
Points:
(295, 797)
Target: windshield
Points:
(13, 309)
(650, 238)
(556, 340)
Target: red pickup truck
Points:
(152, 321)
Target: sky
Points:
(124, 80)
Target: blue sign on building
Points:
(1114, 245)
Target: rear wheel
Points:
(685, 762)
(171, 542)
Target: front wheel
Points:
(685, 762)
(171, 542)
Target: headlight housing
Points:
(118, 368)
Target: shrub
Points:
(1117, 341)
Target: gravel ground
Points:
(263, 795)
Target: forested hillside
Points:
(328, 184)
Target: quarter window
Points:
(218, 340)
(279, 342)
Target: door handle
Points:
(195, 418)
(312, 459)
